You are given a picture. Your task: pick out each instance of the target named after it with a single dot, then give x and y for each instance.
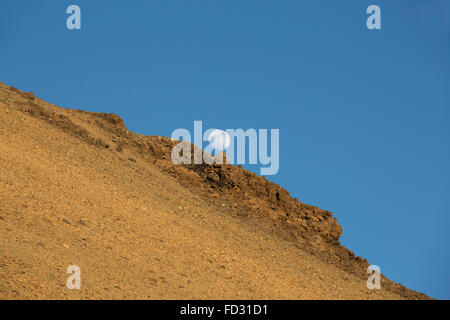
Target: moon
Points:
(219, 139)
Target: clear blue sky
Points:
(364, 116)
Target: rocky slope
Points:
(79, 188)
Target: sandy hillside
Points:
(77, 188)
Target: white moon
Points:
(219, 139)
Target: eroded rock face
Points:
(256, 195)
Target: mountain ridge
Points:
(249, 200)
